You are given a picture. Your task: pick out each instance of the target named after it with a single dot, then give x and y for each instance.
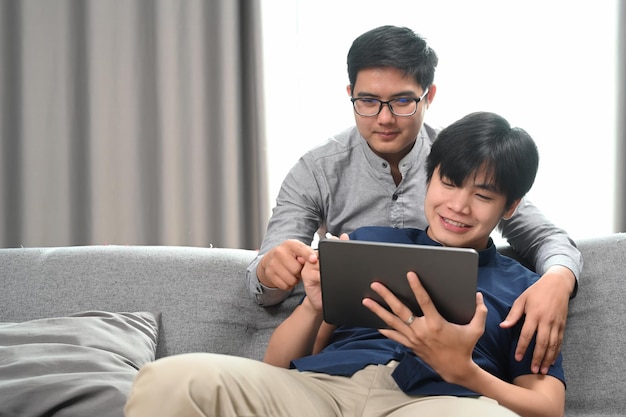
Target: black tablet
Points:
(348, 267)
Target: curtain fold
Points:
(131, 122)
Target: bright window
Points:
(547, 66)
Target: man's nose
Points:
(385, 113)
(459, 202)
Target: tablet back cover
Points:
(347, 268)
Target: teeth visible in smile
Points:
(453, 223)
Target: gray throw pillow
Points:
(79, 365)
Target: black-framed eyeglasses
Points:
(401, 106)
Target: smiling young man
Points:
(373, 174)
(477, 172)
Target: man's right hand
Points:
(281, 266)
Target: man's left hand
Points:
(545, 304)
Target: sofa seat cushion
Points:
(79, 365)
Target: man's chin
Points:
(389, 149)
(447, 238)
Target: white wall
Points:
(547, 66)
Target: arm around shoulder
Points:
(539, 241)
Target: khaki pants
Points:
(203, 384)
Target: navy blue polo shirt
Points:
(500, 279)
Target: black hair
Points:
(392, 46)
(486, 140)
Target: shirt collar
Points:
(484, 255)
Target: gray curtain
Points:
(131, 122)
(620, 180)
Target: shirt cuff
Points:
(266, 296)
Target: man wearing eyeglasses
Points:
(374, 174)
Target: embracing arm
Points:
(545, 303)
(540, 242)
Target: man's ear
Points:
(509, 212)
(432, 92)
(349, 90)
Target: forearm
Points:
(565, 276)
(539, 241)
(541, 396)
(295, 337)
(297, 216)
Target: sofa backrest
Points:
(595, 338)
(205, 305)
(199, 292)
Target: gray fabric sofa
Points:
(201, 303)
